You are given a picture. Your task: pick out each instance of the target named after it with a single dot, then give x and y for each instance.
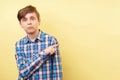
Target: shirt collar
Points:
(40, 37)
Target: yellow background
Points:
(88, 32)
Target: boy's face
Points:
(30, 23)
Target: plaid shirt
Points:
(33, 63)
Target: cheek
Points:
(36, 24)
(23, 25)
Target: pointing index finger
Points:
(56, 45)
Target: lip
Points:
(30, 27)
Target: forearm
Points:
(28, 67)
(57, 67)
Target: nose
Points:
(29, 22)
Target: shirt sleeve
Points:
(28, 67)
(57, 66)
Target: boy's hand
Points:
(51, 49)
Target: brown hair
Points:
(28, 9)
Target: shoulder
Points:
(48, 37)
(20, 41)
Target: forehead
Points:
(30, 15)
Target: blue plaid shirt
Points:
(33, 63)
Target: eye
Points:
(32, 18)
(24, 19)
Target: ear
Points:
(20, 24)
(39, 21)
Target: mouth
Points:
(30, 27)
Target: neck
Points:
(33, 36)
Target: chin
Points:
(30, 32)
